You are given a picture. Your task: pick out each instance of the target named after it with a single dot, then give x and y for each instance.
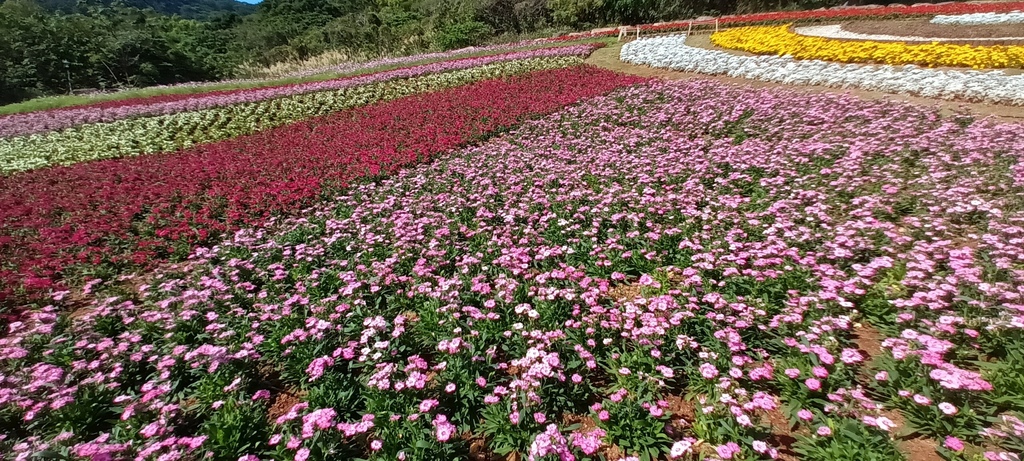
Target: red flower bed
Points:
(896, 10)
(135, 211)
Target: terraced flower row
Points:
(682, 270)
(818, 15)
(781, 41)
(166, 133)
(673, 52)
(57, 119)
(980, 19)
(133, 211)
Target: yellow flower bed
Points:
(780, 40)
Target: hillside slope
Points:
(194, 9)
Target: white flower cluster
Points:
(980, 19)
(672, 52)
(836, 31)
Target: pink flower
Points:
(884, 423)
(824, 431)
(882, 376)
(376, 445)
(922, 400)
(443, 430)
(427, 405)
(681, 448)
(792, 372)
(953, 443)
(850, 356)
(813, 384)
(708, 371)
(948, 408)
(317, 367)
(805, 414)
(648, 281)
(540, 418)
(302, 454)
(728, 450)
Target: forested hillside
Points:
(60, 46)
(192, 9)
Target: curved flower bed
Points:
(673, 52)
(780, 40)
(980, 19)
(836, 31)
(682, 270)
(56, 119)
(129, 212)
(166, 133)
(819, 15)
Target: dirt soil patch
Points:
(919, 449)
(923, 28)
(608, 58)
(283, 403)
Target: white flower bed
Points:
(672, 52)
(980, 19)
(836, 31)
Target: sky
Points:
(251, 2)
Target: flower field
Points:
(146, 135)
(57, 119)
(636, 274)
(1013, 17)
(781, 41)
(133, 210)
(837, 31)
(820, 15)
(994, 86)
(520, 257)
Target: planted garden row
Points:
(165, 133)
(134, 211)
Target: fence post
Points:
(638, 32)
(716, 24)
(689, 26)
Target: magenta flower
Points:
(728, 450)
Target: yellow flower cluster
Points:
(780, 40)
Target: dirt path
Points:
(608, 57)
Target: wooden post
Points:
(716, 24)
(638, 32)
(689, 26)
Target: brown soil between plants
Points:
(283, 403)
(919, 449)
(608, 58)
(923, 28)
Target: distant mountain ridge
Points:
(193, 9)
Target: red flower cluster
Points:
(774, 17)
(134, 211)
